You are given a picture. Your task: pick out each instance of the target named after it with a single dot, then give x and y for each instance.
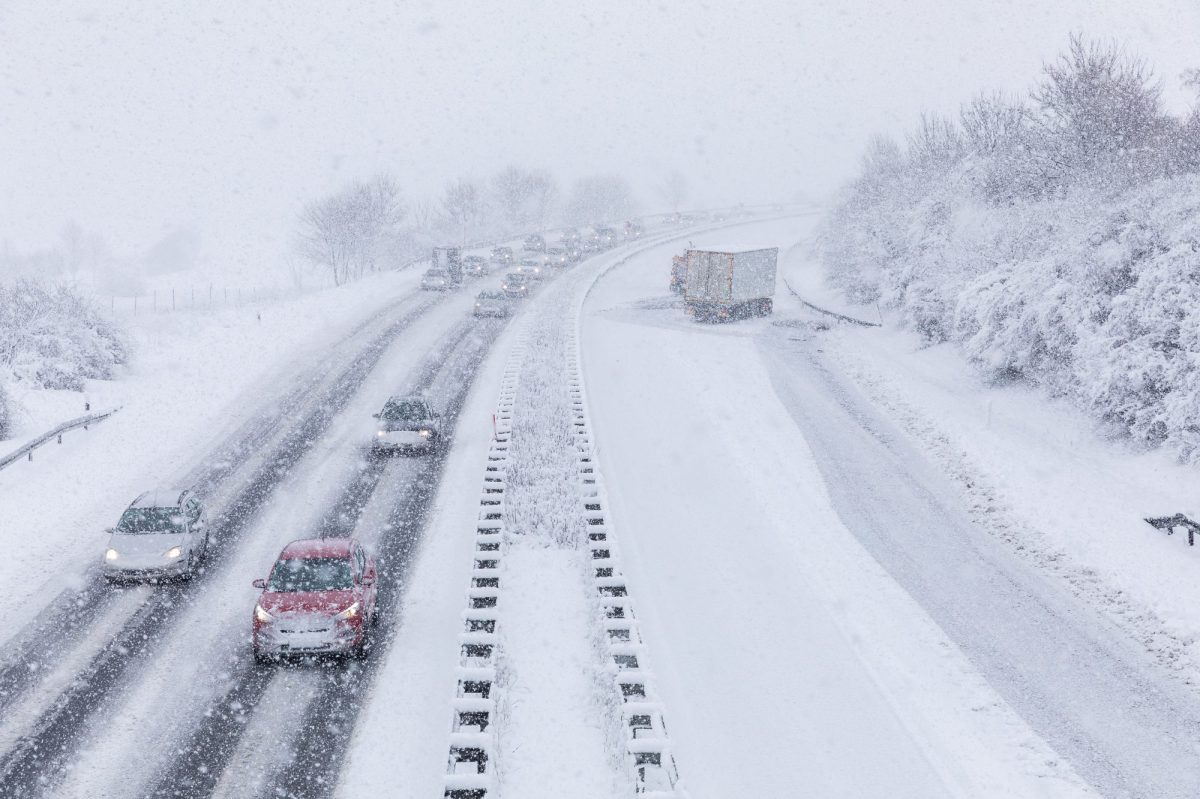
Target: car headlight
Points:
(261, 614)
(173, 553)
(424, 433)
(349, 613)
(381, 433)
(111, 554)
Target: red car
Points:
(319, 598)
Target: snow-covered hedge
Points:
(1031, 237)
(51, 336)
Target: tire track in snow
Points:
(213, 741)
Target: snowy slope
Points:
(1073, 501)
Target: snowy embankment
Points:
(194, 378)
(790, 661)
(1040, 476)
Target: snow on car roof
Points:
(159, 498)
(317, 548)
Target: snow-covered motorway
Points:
(149, 690)
(816, 612)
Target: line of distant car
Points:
(448, 267)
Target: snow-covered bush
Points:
(1033, 238)
(53, 337)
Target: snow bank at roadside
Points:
(1037, 476)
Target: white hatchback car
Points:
(163, 533)
(407, 423)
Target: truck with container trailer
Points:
(729, 285)
(448, 260)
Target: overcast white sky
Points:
(225, 117)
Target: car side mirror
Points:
(109, 530)
(374, 416)
(259, 583)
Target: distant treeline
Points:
(1055, 238)
(369, 225)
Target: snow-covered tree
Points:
(1056, 242)
(1101, 117)
(351, 232)
(52, 336)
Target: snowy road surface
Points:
(790, 661)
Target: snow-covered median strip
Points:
(554, 697)
(646, 745)
(471, 764)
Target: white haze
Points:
(222, 119)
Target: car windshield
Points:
(404, 411)
(151, 520)
(311, 574)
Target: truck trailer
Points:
(448, 260)
(729, 285)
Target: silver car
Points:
(492, 303)
(533, 268)
(163, 533)
(436, 280)
(407, 424)
(475, 266)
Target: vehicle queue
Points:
(319, 595)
